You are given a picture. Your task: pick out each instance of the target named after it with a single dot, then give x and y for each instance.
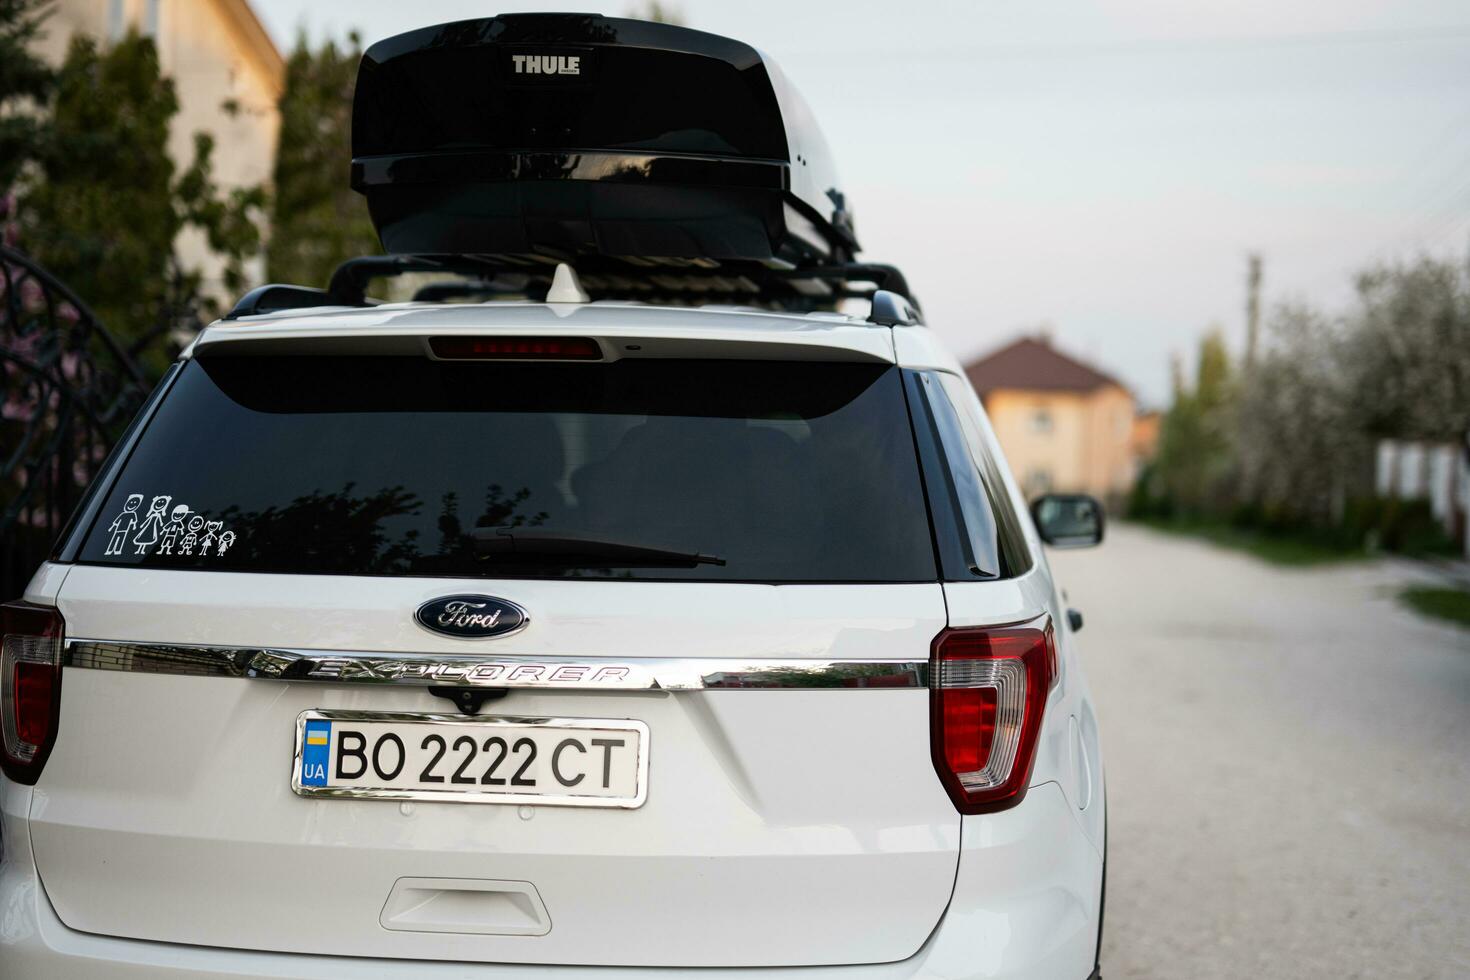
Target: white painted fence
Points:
(1437, 472)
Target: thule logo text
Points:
(547, 64)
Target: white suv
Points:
(590, 635)
(569, 638)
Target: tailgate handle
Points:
(477, 906)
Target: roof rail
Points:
(892, 309)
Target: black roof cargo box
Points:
(571, 135)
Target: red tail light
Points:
(989, 693)
(30, 687)
(515, 348)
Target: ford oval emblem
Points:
(471, 617)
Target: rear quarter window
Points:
(977, 533)
(1011, 538)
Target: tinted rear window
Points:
(790, 471)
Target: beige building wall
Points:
(1066, 441)
(216, 51)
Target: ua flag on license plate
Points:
(314, 753)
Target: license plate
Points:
(452, 758)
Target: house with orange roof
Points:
(1065, 426)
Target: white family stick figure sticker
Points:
(186, 547)
(123, 524)
(173, 529)
(211, 532)
(147, 534)
(178, 532)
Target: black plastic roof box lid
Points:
(568, 135)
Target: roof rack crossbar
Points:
(505, 284)
(350, 280)
(275, 296)
(490, 276)
(883, 276)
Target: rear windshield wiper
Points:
(574, 549)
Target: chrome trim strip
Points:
(639, 797)
(427, 669)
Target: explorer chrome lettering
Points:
(517, 672)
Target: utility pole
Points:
(1252, 308)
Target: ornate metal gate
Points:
(67, 391)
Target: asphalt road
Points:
(1288, 764)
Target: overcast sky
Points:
(1103, 168)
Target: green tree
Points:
(1397, 366)
(318, 220)
(1302, 453)
(1408, 355)
(1194, 463)
(25, 85)
(1290, 446)
(105, 206)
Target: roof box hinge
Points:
(892, 309)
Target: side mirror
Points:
(1068, 520)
